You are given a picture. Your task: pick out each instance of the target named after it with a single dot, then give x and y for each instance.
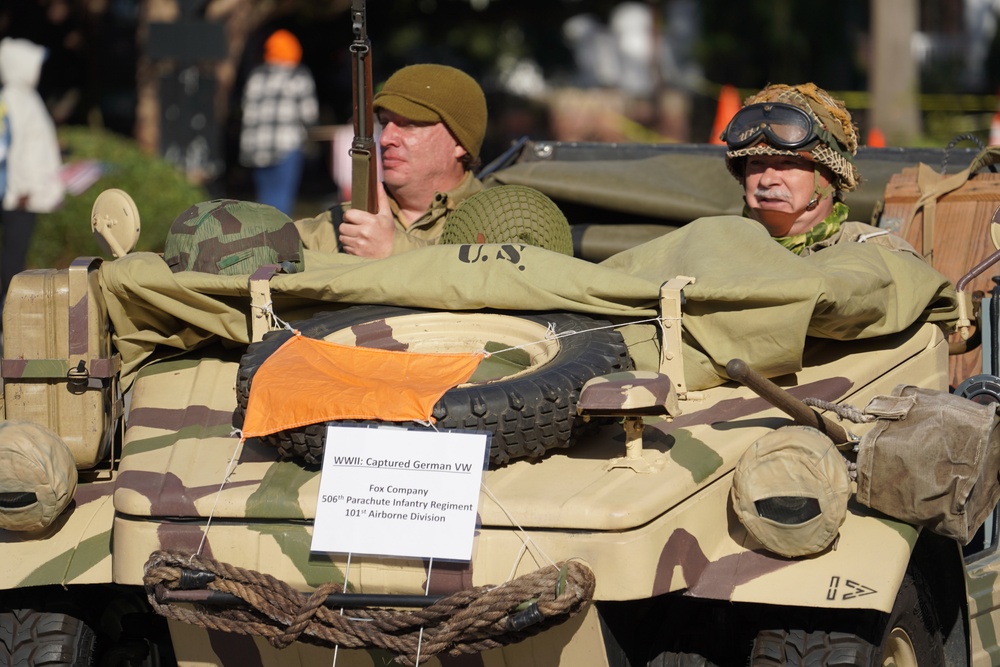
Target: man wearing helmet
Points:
(792, 149)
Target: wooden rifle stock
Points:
(364, 166)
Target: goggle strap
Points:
(827, 138)
(821, 192)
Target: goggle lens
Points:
(789, 134)
(783, 126)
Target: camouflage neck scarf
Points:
(821, 232)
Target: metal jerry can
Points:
(58, 366)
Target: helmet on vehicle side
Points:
(231, 237)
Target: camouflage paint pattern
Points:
(673, 527)
(76, 549)
(983, 581)
(178, 442)
(642, 392)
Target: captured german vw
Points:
(699, 453)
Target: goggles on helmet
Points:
(782, 126)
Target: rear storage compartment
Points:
(58, 367)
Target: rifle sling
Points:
(360, 163)
(337, 217)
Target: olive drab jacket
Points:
(319, 233)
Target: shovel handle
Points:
(804, 415)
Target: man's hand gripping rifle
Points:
(364, 166)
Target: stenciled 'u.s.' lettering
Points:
(470, 254)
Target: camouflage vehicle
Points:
(630, 444)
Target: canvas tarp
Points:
(700, 185)
(752, 298)
(677, 183)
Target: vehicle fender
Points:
(862, 569)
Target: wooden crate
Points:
(960, 237)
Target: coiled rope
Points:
(469, 621)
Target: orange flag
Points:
(307, 381)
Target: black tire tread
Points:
(671, 659)
(912, 611)
(31, 638)
(527, 415)
(810, 649)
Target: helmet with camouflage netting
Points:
(833, 141)
(509, 214)
(232, 237)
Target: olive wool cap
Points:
(438, 93)
(509, 214)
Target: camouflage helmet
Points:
(37, 465)
(790, 491)
(837, 141)
(231, 237)
(509, 214)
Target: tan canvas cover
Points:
(35, 460)
(793, 463)
(354, 383)
(752, 298)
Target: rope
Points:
(469, 621)
(276, 323)
(848, 412)
(552, 334)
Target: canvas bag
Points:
(932, 459)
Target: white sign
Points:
(395, 492)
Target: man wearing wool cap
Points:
(433, 120)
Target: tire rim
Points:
(899, 650)
(431, 333)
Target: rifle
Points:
(364, 166)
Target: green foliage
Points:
(160, 191)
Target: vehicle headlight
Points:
(38, 476)
(790, 491)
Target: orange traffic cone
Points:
(995, 130)
(876, 139)
(729, 104)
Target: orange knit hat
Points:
(282, 47)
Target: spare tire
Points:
(525, 396)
